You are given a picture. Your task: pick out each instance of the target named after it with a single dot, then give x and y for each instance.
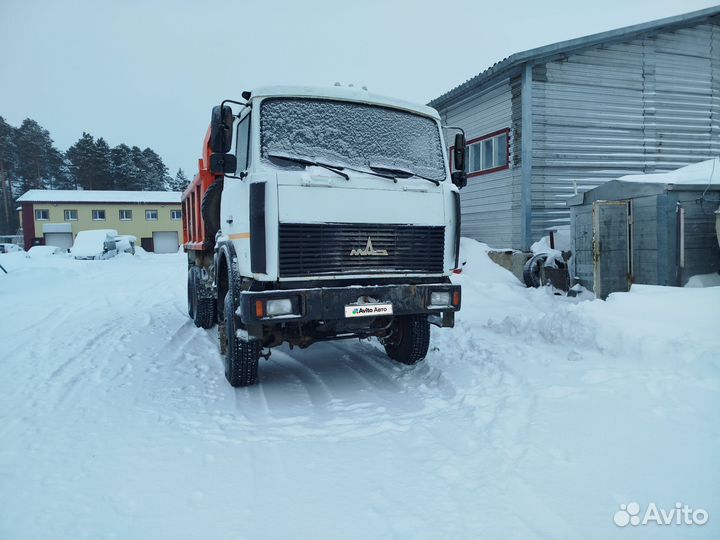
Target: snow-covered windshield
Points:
(351, 134)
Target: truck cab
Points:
(322, 214)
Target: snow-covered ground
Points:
(537, 416)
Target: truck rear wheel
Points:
(191, 294)
(410, 339)
(241, 357)
(200, 308)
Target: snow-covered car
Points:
(126, 243)
(44, 251)
(9, 248)
(95, 244)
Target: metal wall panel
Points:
(581, 263)
(645, 240)
(490, 208)
(701, 252)
(649, 105)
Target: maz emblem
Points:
(369, 250)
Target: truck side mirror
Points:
(223, 164)
(459, 152)
(221, 121)
(459, 178)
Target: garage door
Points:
(165, 241)
(60, 239)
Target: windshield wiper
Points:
(381, 175)
(404, 173)
(306, 161)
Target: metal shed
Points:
(652, 229)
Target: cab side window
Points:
(243, 144)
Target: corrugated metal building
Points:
(564, 118)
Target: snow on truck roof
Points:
(100, 196)
(343, 93)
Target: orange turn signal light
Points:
(456, 298)
(259, 309)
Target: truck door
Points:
(611, 247)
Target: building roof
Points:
(513, 62)
(99, 196)
(343, 93)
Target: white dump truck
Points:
(321, 214)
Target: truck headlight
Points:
(282, 306)
(440, 299)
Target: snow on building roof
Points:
(704, 172)
(343, 93)
(100, 196)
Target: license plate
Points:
(368, 310)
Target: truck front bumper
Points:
(329, 303)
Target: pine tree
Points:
(60, 176)
(34, 147)
(156, 173)
(81, 156)
(179, 183)
(8, 163)
(103, 165)
(126, 175)
(139, 161)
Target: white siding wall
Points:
(490, 204)
(652, 104)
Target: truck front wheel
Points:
(409, 340)
(241, 357)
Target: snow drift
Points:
(536, 416)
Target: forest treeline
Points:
(30, 160)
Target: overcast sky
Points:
(147, 73)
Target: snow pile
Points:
(44, 251)
(704, 172)
(536, 416)
(479, 269)
(9, 248)
(704, 280)
(91, 243)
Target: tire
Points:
(203, 309)
(210, 211)
(410, 340)
(241, 357)
(532, 269)
(533, 274)
(191, 294)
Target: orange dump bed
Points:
(193, 225)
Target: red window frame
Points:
(506, 131)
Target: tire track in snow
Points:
(89, 337)
(344, 391)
